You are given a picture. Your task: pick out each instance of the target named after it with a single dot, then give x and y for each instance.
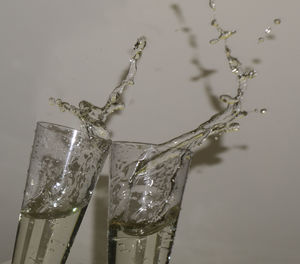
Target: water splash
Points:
(223, 34)
(212, 4)
(157, 159)
(93, 118)
(263, 111)
(261, 39)
(277, 21)
(268, 31)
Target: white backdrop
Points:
(241, 199)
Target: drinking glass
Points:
(144, 208)
(64, 167)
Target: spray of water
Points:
(93, 118)
(224, 121)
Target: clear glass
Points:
(64, 167)
(143, 212)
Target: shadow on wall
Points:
(209, 154)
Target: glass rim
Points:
(45, 124)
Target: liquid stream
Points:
(190, 142)
(93, 118)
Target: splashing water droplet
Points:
(52, 101)
(268, 30)
(214, 23)
(224, 34)
(277, 21)
(234, 127)
(93, 118)
(228, 99)
(213, 41)
(263, 111)
(212, 4)
(243, 113)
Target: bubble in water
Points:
(277, 21)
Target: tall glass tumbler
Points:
(143, 210)
(64, 167)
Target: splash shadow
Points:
(209, 154)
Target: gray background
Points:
(241, 203)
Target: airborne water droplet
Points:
(277, 21)
(243, 113)
(261, 40)
(234, 126)
(52, 101)
(268, 30)
(212, 4)
(263, 111)
(213, 41)
(214, 23)
(228, 99)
